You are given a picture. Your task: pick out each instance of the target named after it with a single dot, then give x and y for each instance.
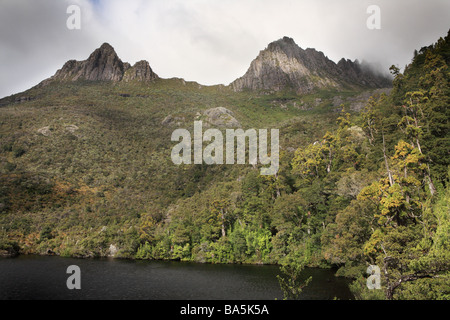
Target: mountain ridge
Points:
(283, 64)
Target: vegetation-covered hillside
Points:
(86, 171)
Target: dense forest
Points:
(354, 188)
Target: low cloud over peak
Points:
(210, 42)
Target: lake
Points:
(44, 278)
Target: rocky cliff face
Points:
(141, 71)
(283, 64)
(104, 65)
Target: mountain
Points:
(283, 64)
(104, 65)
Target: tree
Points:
(343, 120)
(434, 85)
(401, 241)
(221, 208)
(309, 162)
(344, 239)
(374, 123)
(291, 281)
(370, 118)
(412, 122)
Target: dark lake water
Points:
(44, 278)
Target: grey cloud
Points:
(35, 42)
(207, 41)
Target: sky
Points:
(207, 41)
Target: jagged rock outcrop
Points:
(284, 65)
(104, 65)
(141, 71)
(221, 117)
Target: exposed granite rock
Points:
(221, 117)
(171, 120)
(71, 128)
(215, 117)
(23, 99)
(284, 65)
(45, 131)
(103, 65)
(112, 251)
(141, 71)
(359, 102)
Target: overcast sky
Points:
(208, 41)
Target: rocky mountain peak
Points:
(104, 65)
(106, 47)
(285, 44)
(283, 64)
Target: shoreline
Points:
(17, 255)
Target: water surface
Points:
(44, 278)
